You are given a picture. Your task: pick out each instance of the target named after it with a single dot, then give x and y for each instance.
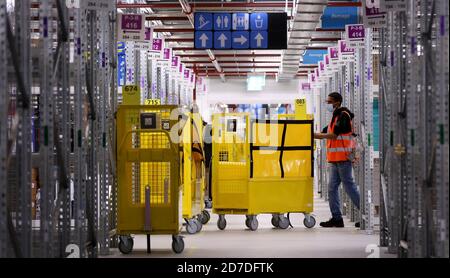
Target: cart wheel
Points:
(126, 244)
(247, 222)
(311, 223)
(221, 223)
(283, 222)
(177, 244)
(199, 225)
(208, 204)
(275, 220)
(253, 223)
(191, 226)
(205, 217)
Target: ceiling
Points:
(172, 19)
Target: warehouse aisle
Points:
(238, 242)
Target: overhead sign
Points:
(131, 27)
(355, 35)
(167, 53)
(373, 16)
(223, 31)
(222, 21)
(345, 53)
(147, 43)
(222, 40)
(175, 61)
(312, 56)
(338, 17)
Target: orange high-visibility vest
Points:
(339, 148)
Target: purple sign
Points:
(317, 72)
(180, 68)
(157, 44)
(313, 77)
(167, 53)
(148, 34)
(344, 49)
(333, 52)
(355, 31)
(186, 73)
(131, 22)
(327, 59)
(306, 86)
(175, 60)
(192, 77)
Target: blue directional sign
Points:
(240, 21)
(227, 30)
(258, 39)
(259, 21)
(240, 39)
(203, 39)
(222, 21)
(222, 40)
(203, 21)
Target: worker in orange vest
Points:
(340, 142)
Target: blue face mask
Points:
(330, 107)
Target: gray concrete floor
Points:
(236, 241)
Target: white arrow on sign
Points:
(259, 39)
(241, 39)
(204, 38)
(222, 38)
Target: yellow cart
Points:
(148, 175)
(193, 174)
(262, 166)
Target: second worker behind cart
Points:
(340, 141)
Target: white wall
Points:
(234, 91)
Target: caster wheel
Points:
(191, 226)
(253, 223)
(199, 225)
(177, 244)
(283, 223)
(275, 220)
(208, 204)
(311, 223)
(126, 244)
(221, 223)
(247, 222)
(205, 217)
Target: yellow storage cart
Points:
(193, 173)
(148, 174)
(262, 166)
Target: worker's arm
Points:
(325, 136)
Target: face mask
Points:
(330, 108)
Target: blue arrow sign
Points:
(203, 39)
(240, 39)
(222, 21)
(258, 21)
(203, 21)
(240, 21)
(222, 40)
(258, 39)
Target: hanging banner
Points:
(312, 56)
(346, 54)
(355, 35)
(131, 27)
(373, 16)
(393, 5)
(167, 53)
(338, 17)
(175, 61)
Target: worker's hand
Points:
(317, 135)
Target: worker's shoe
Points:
(357, 225)
(333, 223)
